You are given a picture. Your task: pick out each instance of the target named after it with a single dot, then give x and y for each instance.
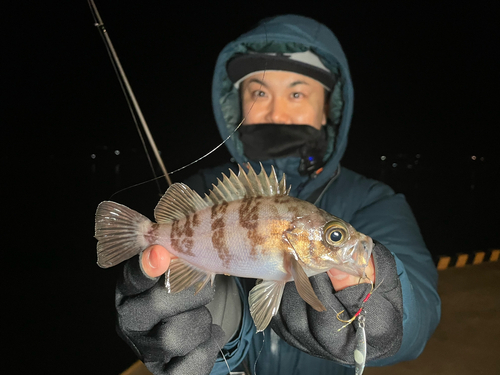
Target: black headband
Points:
(240, 66)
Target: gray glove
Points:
(170, 333)
(316, 332)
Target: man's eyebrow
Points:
(295, 83)
(258, 81)
(263, 82)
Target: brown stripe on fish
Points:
(279, 199)
(182, 232)
(249, 219)
(152, 235)
(289, 203)
(217, 215)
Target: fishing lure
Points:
(360, 349)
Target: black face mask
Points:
(271, 141)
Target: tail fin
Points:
(120, 232)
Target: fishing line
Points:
(221, 352)
(260, 351)
(166, 174)
(185, 166)
(225, 140)
(200, 158)
(136, 112)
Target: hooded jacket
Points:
(370, 206)
(288, 34)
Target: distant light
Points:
(482, 158)
(117, 152)
(473, 157)
(383, 157)
(394, 165)
(409, 166)
(417, 156)
(93, 156)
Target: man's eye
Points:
(259, 93)
(297, 95)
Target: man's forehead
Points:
(278, 77)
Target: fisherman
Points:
(288, 80)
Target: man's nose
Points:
(278, 112)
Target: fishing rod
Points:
(129, 94)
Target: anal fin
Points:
(264, 300)
(304, 286)
(182, 275)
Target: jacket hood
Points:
(288, 33)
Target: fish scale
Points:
(247, 226)
(251, 258)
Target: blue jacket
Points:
(370, 206)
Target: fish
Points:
(246, 226)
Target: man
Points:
(289, 81)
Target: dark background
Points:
(426, 92)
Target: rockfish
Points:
(247, 226)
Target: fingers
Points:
(300, 325)
(199, 360)
(141, 273)
(341, 280)
(155, 261)
(142, 312)
(177, 335)
(202, 359)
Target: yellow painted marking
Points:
(479, 257)
(138, 368)
(443, 263)
(495, 254)
(462, 260)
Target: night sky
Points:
(426, 82)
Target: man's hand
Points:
(341, 280)
(320, 333)
(171, 333)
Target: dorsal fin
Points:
(246, 184)
(179, 201)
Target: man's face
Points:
(278, 97)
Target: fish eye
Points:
(335, 234)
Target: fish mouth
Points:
(361, 254)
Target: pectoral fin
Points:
(182, 275)
(304, 286)
(264, 300)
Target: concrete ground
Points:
(466, 342)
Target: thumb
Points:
(341, 280)
(155, 260)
